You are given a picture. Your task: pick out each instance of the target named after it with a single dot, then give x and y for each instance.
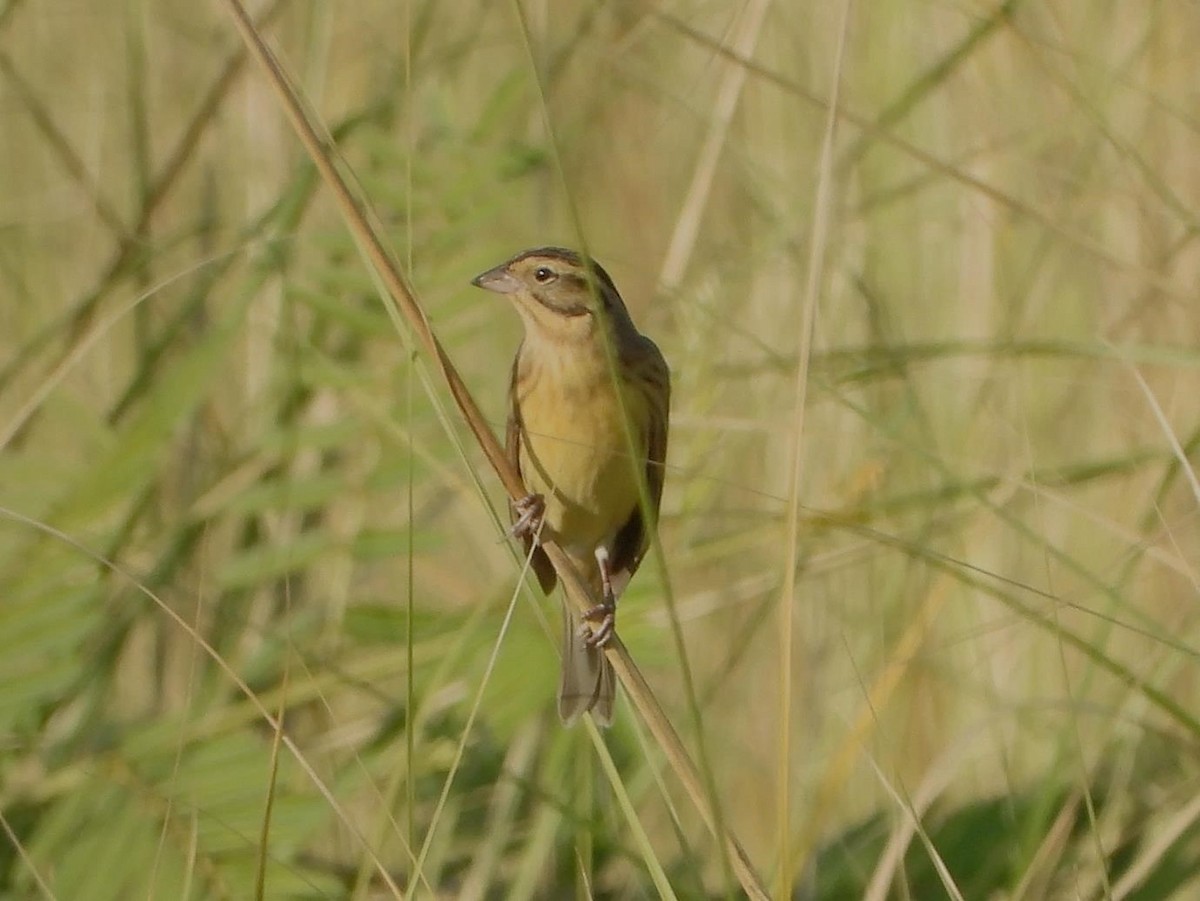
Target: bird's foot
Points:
(603, 615)
(599, 625)
(530, 511)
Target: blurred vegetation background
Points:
(229, 491)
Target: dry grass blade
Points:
(1177, 826)
(16, 843)
(1168, 432)
(355, 212)
(61, 147)
(687, 224)
(822, 205)
(129, 237)
(936, 75)
(873, 131)
(264, 838)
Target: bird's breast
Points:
(574, 452)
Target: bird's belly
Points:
(576, 455)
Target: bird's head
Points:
(560, 294)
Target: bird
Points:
(586, 388)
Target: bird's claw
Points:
(599, 624)
(530, 510)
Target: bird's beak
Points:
(499, 280)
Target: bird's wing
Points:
(633, 539)
(541, 564)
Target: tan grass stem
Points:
(822, 212)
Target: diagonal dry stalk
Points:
(355, 211)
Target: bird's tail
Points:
(588, 681)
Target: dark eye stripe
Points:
(604, 290)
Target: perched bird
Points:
(583, 382)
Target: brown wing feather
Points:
(633, 539)
(541, 564)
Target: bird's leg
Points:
(530, 510)
(604, 614)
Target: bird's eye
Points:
(543, 274)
